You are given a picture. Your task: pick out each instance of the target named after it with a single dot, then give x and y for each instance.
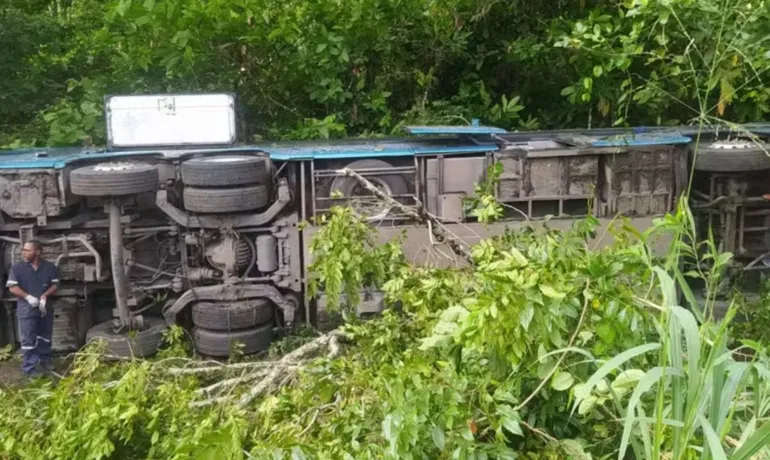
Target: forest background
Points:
(309, 69)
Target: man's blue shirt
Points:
(33, 282)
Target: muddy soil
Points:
(12, 375)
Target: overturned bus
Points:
(173, 222)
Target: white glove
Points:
(42, 306)
(32, 300)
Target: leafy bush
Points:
(474, 363)
(306, 69)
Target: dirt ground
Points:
(11, 374)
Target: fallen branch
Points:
(273, 374)
(230, 382)
(227, 367)
(438, 229)
(284, 374)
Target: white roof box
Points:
(170, 120)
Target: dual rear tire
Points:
(220, 325)
(222, 184)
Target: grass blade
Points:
(645, 383)
(751, 427)
(754, 444)
(678, 394)
(691, 331)
(735, 375)
(689, 296)
(667, 287)
(612, 365)
(718, 378)
(714, 444)
(644, 429)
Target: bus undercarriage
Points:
(148, 233)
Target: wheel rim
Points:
(227, 159)
(732, 145)
(115, 166)
(366, 205)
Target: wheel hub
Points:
(732, 145)
(114, 166)
(366, 204)
(226, 159)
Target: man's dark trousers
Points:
(36, 331)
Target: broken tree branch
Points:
(227, 367)
(438, 229)
(280, 373)
(230, 382)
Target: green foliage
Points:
(547, 348)
(755, 315)
(697, 396)
(447, 372)
(347, 258)
(670, 61)
(6, 353)
(313, 69)
(121, 411)
(483, 204)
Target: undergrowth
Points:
(533, 353)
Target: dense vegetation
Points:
(311, 68)
(547, 348)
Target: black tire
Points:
(221, 200)
(719, 157)
(114, 179)
(348, 185)
(140, 344)
(216, 343)
(225, 171)
(221, 316)
(391, 184)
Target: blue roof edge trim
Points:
(455, 130)
(58, 158)
(28, 159)
(642, 140)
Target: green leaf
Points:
(548, 291)
(510, 419)
(587, 404)
(297, 454)
(627, 379)
(613, 365)
(562, 381)
(513, 426)
(714, 444)
(518, 257)
(754, 444)
(606, 331)
(650, 378)
(526, 316)
(438, 437)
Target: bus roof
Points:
(446, 141)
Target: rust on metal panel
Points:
(65, 325)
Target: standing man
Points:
(32, 281)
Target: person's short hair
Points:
(36, 244)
